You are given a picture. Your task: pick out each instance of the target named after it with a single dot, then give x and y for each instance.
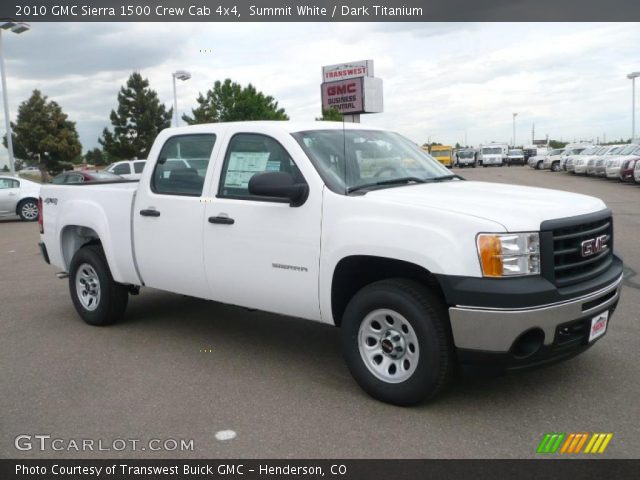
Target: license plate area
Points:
(599, 325)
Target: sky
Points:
(442, 81)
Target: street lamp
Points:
(15, 27)
(514, 129)
(180, 75)
(632, 76)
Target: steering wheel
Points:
(388, 168)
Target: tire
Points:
(555, 167)
(538, 165)
(418, 327)
(28, 210)
(474, 164)
(106, 301)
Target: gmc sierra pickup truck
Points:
(352, 226)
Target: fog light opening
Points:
(528, 343)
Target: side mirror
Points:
(279, 185)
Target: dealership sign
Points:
(351, 88)
(344, 71)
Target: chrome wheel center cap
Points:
(393, 344)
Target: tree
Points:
(44, 135)
(136, 123)
(557, 144)
(5, 168)
(95, 156)
(230, 102)
(331, 115)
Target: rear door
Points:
(169, 216)
(9, 194)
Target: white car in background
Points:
(129, 169)
(552, 160)
(572, 159)
(19, 197)
(582, 161)
(612, 165)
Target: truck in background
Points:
(494, 154)
(443, 154)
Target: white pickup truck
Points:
(352, 226)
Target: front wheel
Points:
(98, 299)
(555, 167)
(396, 342)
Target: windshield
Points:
(371, 157)
(491, 151)
(557, 151)
(516, 152)
(440, 153)
(627, 150)
(467, 154)
(589, 151)
(103, 176)
(614, 151)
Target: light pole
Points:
(514, 129)
(632, 76)
(15, 27)
(180, 75)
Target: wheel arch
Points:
(73, 238)
(354, 272)
(22, 200)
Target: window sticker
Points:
(244, 165)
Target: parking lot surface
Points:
(184, 368)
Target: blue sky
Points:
(441, 81)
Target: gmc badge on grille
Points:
(594, 245)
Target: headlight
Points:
(509, 254)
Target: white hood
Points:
(516, 207)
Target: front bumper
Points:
(491, 331)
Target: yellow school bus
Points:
(443, 153)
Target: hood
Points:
(516, 207)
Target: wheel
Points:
(396, 342)
(98, 299)
(28, 210)
(555, 167)
(538, 165)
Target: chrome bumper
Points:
(495, 330)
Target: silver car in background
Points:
(19, 197)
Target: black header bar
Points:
(320, 10)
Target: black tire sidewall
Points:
(425, 379)
(94, 256)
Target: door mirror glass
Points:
(278, 185)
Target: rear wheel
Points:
(396, 342)
(555, 167)
(98, 299)
(538, 165)
(28, 210)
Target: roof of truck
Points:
(289, 126)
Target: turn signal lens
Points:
(509, 254)
(490, 250)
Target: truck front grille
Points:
(581, 247)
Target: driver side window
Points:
(249, 154)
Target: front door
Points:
(260, 252)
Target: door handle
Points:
(222, 220)
(149, 213)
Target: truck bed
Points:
(102, 207)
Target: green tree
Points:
(557, 144)
(95, 156)
(137, 121)
(5, 168)
(331, 115)
(43, 134)
(230, 102)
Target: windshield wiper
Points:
(391, 181)
(445, 177)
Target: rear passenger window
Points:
(138, 167)
(248, 154)
(182, 165)
(122, 169)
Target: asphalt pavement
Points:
(246, 384)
